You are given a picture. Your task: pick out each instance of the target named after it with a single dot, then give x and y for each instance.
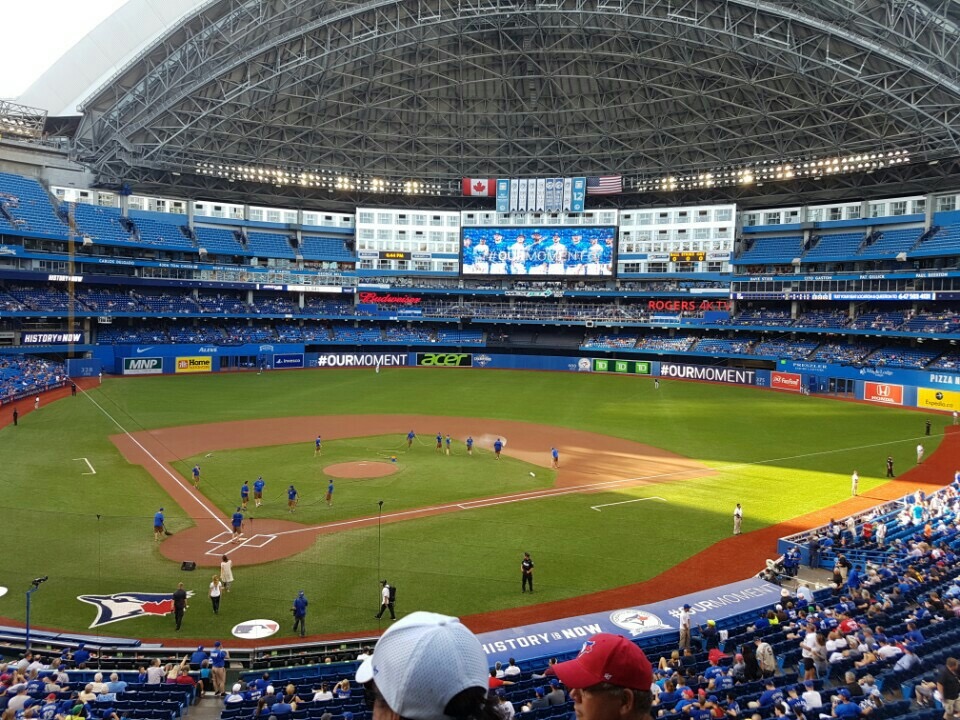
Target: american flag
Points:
(606, 185)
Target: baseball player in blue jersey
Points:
(258, 491)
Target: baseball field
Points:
(647, 479)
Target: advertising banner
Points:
(50, 338)
(444, 360)
(288, 361)
(656, 621)
(347, 360)
(143, 366)
(633, 367)
(194, 365)
(733, 376)
(938, 399)
(885, 393)
(785, 381)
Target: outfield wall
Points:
(927, 390)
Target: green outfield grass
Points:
(780, 455)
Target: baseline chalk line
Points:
(92, 471)
(624, 502)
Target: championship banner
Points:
(194, 365)
(884, 393)
(938, 399)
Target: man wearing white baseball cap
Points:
(609, 680)
(427, 667)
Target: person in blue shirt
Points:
(244, 495)
(330, 492)
(555, 455)
(410, 437)
(300, 613)
(293, 497)
(48, 711)
(197, 658)
(237, 522)
(772, 694)
(218, 670)
(469, 445)
(158, 528)
(81, 656)
(196, 476)
(318, 446)
(258, 491)
(439, 442)
(446, 440)
(497, 448)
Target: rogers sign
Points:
(785, 381)
(385, 299)
(687, 305)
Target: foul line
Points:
(159, 464)
(92, 471)
(624, 502)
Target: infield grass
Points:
(780, 455)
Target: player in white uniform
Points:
(518, 256)
(481, 257)
(575, 257)
(594, 257)
(556, 254)
(498, 256)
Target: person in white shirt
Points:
(155, 673)
(854, 483)
(323, 694)
(919, 452)
(511, 670)
(685, 626)
(235, 697)
(811, 698)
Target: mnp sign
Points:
(143, 366)
(444, 359)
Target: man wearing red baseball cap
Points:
(609, 680)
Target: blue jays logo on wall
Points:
(482, 360)
(123, 606)
(636, 621)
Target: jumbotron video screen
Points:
(538, 251)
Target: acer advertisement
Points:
(884, 393)
(785, 381)
(538, 251)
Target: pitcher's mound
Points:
(361, 469)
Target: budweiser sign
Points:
(373, 298)
(785, 381)
(883, 393)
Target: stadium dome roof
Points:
(444, 89)
(103, 52)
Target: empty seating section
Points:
(42, 298)
(841, 353)
(609, 342)
(239, 334)
(168, 303)
(26, 207)
(108, 301)
(902, 357)
(947, 361)
(313, 305)
(834, 248)
(890, 244)
(116, 335)
(794, 349)
(459, 337)
(780, 250)
(877, 320)
(324, 248)
(218, 241)
(680, 343)
(195, 334)
(763, 318)
(166, 235)
(100, 224)
(933, 323)
(21, 374)
(222, 304)
(273, 305)
(821, 319)
(269, 245)
(946, 241)
(722, 346)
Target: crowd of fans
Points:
(23, 374)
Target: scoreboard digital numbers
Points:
(688, 256)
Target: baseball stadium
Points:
(560, 317)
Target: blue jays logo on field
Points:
(482, 360)
(637, 621)
(123, 606)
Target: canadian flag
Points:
(482, 187)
